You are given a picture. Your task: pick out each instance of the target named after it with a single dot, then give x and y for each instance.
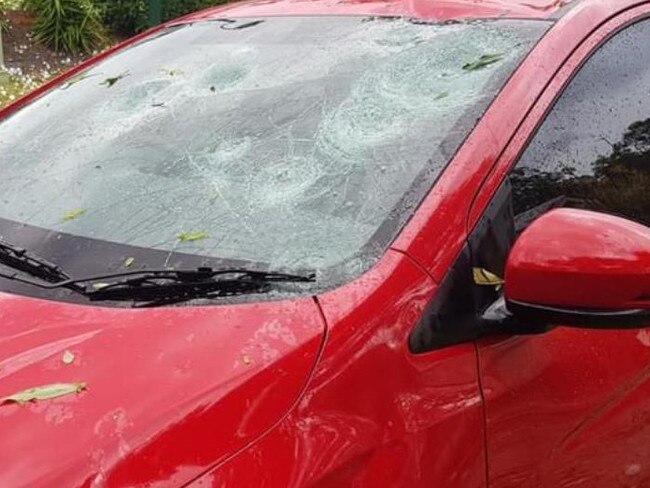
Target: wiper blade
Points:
(19, 259)
(173, 286)
(155, 287)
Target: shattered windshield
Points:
(286, 141)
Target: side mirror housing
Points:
(580, 268)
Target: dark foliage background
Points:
(126, 17)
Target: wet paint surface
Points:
(568, 409)
(168, 392)
(374, 414)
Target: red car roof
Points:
(430, 9)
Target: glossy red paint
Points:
(374, 414)
(568, 408)
(265, 395)
(581, 259)
(170, 391)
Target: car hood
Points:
(169, 391)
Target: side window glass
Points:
(593, 149)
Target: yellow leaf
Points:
(192, 236)
(483, 277)
(128, 262)
(73, 214)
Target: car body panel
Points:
(374, 414)
(568, 408)
(169, 390)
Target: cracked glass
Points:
(284, 141)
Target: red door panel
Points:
(568, 408)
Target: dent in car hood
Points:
(170, 391)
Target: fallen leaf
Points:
(482, 62)
(76, 79)
(68, 357)
(442, 95)
(128, 262)
(109, 82)
(99, 286)
(172, 71)
(483, 277)
(73, 214)
(192, 236)
(46, 392)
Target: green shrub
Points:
(176, 8)
(67, 25)
(126, 17)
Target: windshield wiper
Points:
(158, 287)
(21, 260)
(154, 287)
(161, 287)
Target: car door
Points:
(571, 407)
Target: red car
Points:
(327, 244)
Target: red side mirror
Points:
(576, 267)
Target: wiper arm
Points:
(152, 286)
(20, 259)
(171, 286)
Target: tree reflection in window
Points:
(619, 183)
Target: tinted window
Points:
(286, 141)
(593, 150)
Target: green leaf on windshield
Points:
(109, 82)
(128, 262)
(442, 95)
(73, 214)
(482, 62)
(192, 236)
(46, 392)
